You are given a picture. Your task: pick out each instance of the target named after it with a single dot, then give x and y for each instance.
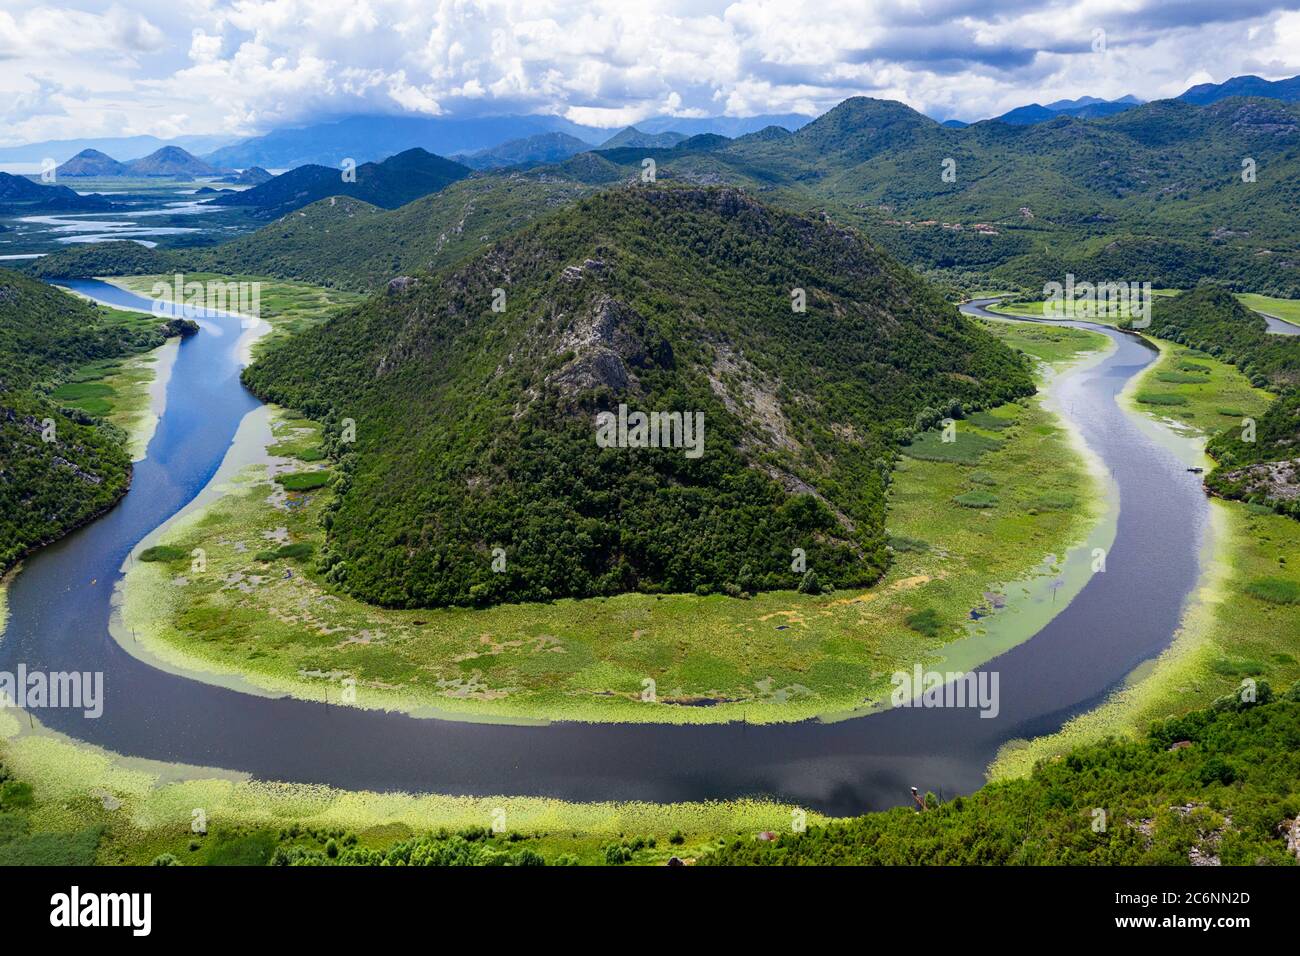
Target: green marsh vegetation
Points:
(289, 307)
(67, 803)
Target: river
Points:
(60, 604)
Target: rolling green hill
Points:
(475, 429)
(1090, 196)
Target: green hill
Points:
(118, 258)
(475, 429)
(352, 245)
(1094, 197)
(388, 184)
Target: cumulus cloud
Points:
(246, 66)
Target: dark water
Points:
(59, 609)
(1279, 327)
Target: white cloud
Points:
(247, 65)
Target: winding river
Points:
(59, 608)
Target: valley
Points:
(367, 584)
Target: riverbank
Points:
(74, 804)
(1235, 627)
(982, 532)
(288, 306)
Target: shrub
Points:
(163, 552)
(1275, 590)
(304, 480)
(925, 621)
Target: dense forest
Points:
(474, 428)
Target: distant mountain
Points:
(123, 147)
(252, 176)
(371, 138)
(90, 162)
(631, 136)
(1249, 85)
(729, 126)
(1085, 107)
(954, 124)
(19, 195)
(474, 418)
(529, 151)
(171, 162)
(392, 183)
(367, 138)
(765, 135)
(704, 141)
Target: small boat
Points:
(1196, 471)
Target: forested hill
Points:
(58, 468)
(475, 429)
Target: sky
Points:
(82, 68)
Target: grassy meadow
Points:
(1288, 310)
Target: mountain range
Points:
(124, 147)
(1153, 193)
(368, 138)
(364, 138)
(1085, 107)
(388, 184)
(171, 162)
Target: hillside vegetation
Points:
(475, 428)
(389, 184)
